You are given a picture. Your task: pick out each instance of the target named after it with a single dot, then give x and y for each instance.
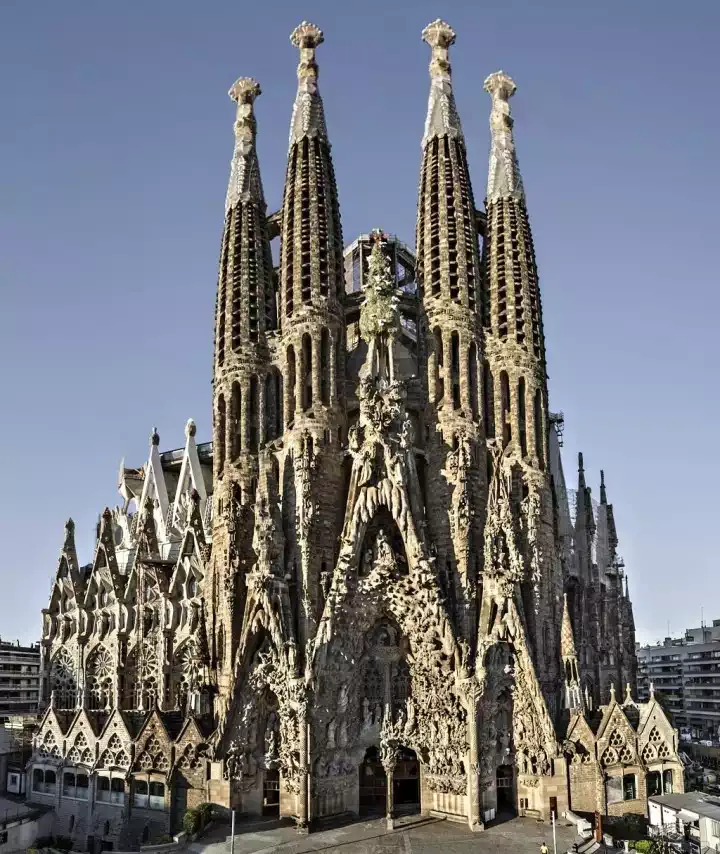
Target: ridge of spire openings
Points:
(511, 307)
(447, 247)
(311, 254)
(245, 301)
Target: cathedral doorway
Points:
(406, 783)
(505, 788)
(373, 784)
(271, 793)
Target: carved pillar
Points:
(388, 757)
(300, 369)
(303, 811)
(474, 816)
(464, 377)
(244, 414)
(432, 377)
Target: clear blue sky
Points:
(115, 141)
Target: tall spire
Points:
(245, 299)
(245, 180)
(311, 251)
(308, 116)
(504, 174)
(447, 247)
(511, 307)
(603, 494)
(442, 116)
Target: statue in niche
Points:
(271, 737)
(331, 727)
(342, 703)
(367, 714)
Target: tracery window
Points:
(140, 677)
(63, 680)
(186, 673)
(99, 679)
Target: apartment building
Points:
(19, 679)
(686, 672)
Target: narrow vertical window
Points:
(455, 368)
(290, 385)
(505, 408)
(473, 380)
(271, 404)
(220, 451)
(521, 416)
(235, 410)
(539, 429)
(488, 401)
(306, 363)
(325, 366)
(278, 380)
(439, 358)
(253, 415)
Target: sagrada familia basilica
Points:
(372, 591)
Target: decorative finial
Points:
(500, 86)
(244, 91)
(612, 692)
(628, 693)
(504, 176)
(603, 494)
(70, 526)
(155, 438)
(307, 37)
(652, 690)
(580, 462)
(244, 174)
(190, 428)
(439, 35)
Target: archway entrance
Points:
(271, 793)
(373, 784)
(504, 779)
(406, 783)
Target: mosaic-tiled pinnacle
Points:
(442, 116)
(308, 115)
(244, 169)
(504, 178)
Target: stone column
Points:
(303, 811)
(474, 817)
(447, 373)
(300, 369)
(333, 367)
(463, 373)
(388, 757)
(244, 414)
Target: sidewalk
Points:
(412, 835)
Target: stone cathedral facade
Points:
(372, 590)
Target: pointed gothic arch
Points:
(100, 679)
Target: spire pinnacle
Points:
(442, 116)
(603, 494)
(567, 640)
(612, 692)
(308, 117)
(581, 472)
(504, 175)
(244, 172)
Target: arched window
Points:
(235, 420)
(455, 368)
(290, 388)
(306, 362)
(220, 450)
(539, 428)
(521, 416)
(253, 419)
(325, 366)
(473, 379)
(99, 679)
(505, 408)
